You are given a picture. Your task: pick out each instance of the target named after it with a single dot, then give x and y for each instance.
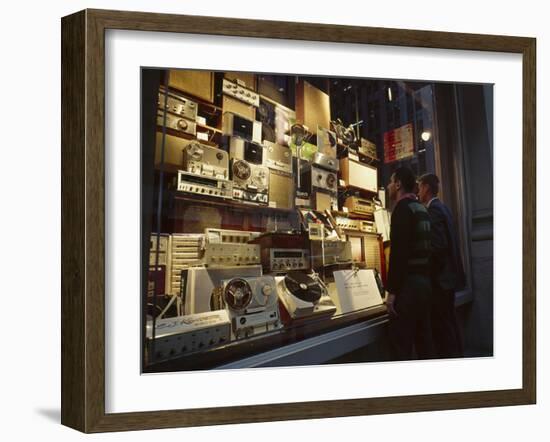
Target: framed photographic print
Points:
(266, 221)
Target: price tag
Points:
(202, 136)
(201, 120)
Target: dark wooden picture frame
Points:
(83, 220)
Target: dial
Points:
(182, 124)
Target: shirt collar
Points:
(410, 195)
(430, 202)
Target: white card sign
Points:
(355, 290)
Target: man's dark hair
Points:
(432, 181)
(406, 177)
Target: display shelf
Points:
(184, 197)
(179, 134)
(314, 343)
(283, 342)
(318, 349)
(213, 129)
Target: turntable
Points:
(304, 295)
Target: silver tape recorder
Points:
(246, 175)
(250, 181)
(201, 285)
(277, 157)
(204, 160)
(252, 305)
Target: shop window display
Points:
(264, 210)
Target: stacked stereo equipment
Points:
(278, 191)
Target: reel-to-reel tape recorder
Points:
(250, 181)
(252, 305)
(200, 159)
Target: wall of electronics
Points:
(270, 220)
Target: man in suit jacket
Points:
(408, 284)
(445, 269)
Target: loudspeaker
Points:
(281, 190)
(322, 201)
(359, 175)
(372, 246)
(279, 88)
(199, 84)
(173, 149)
(312, 106)
(266, 114)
